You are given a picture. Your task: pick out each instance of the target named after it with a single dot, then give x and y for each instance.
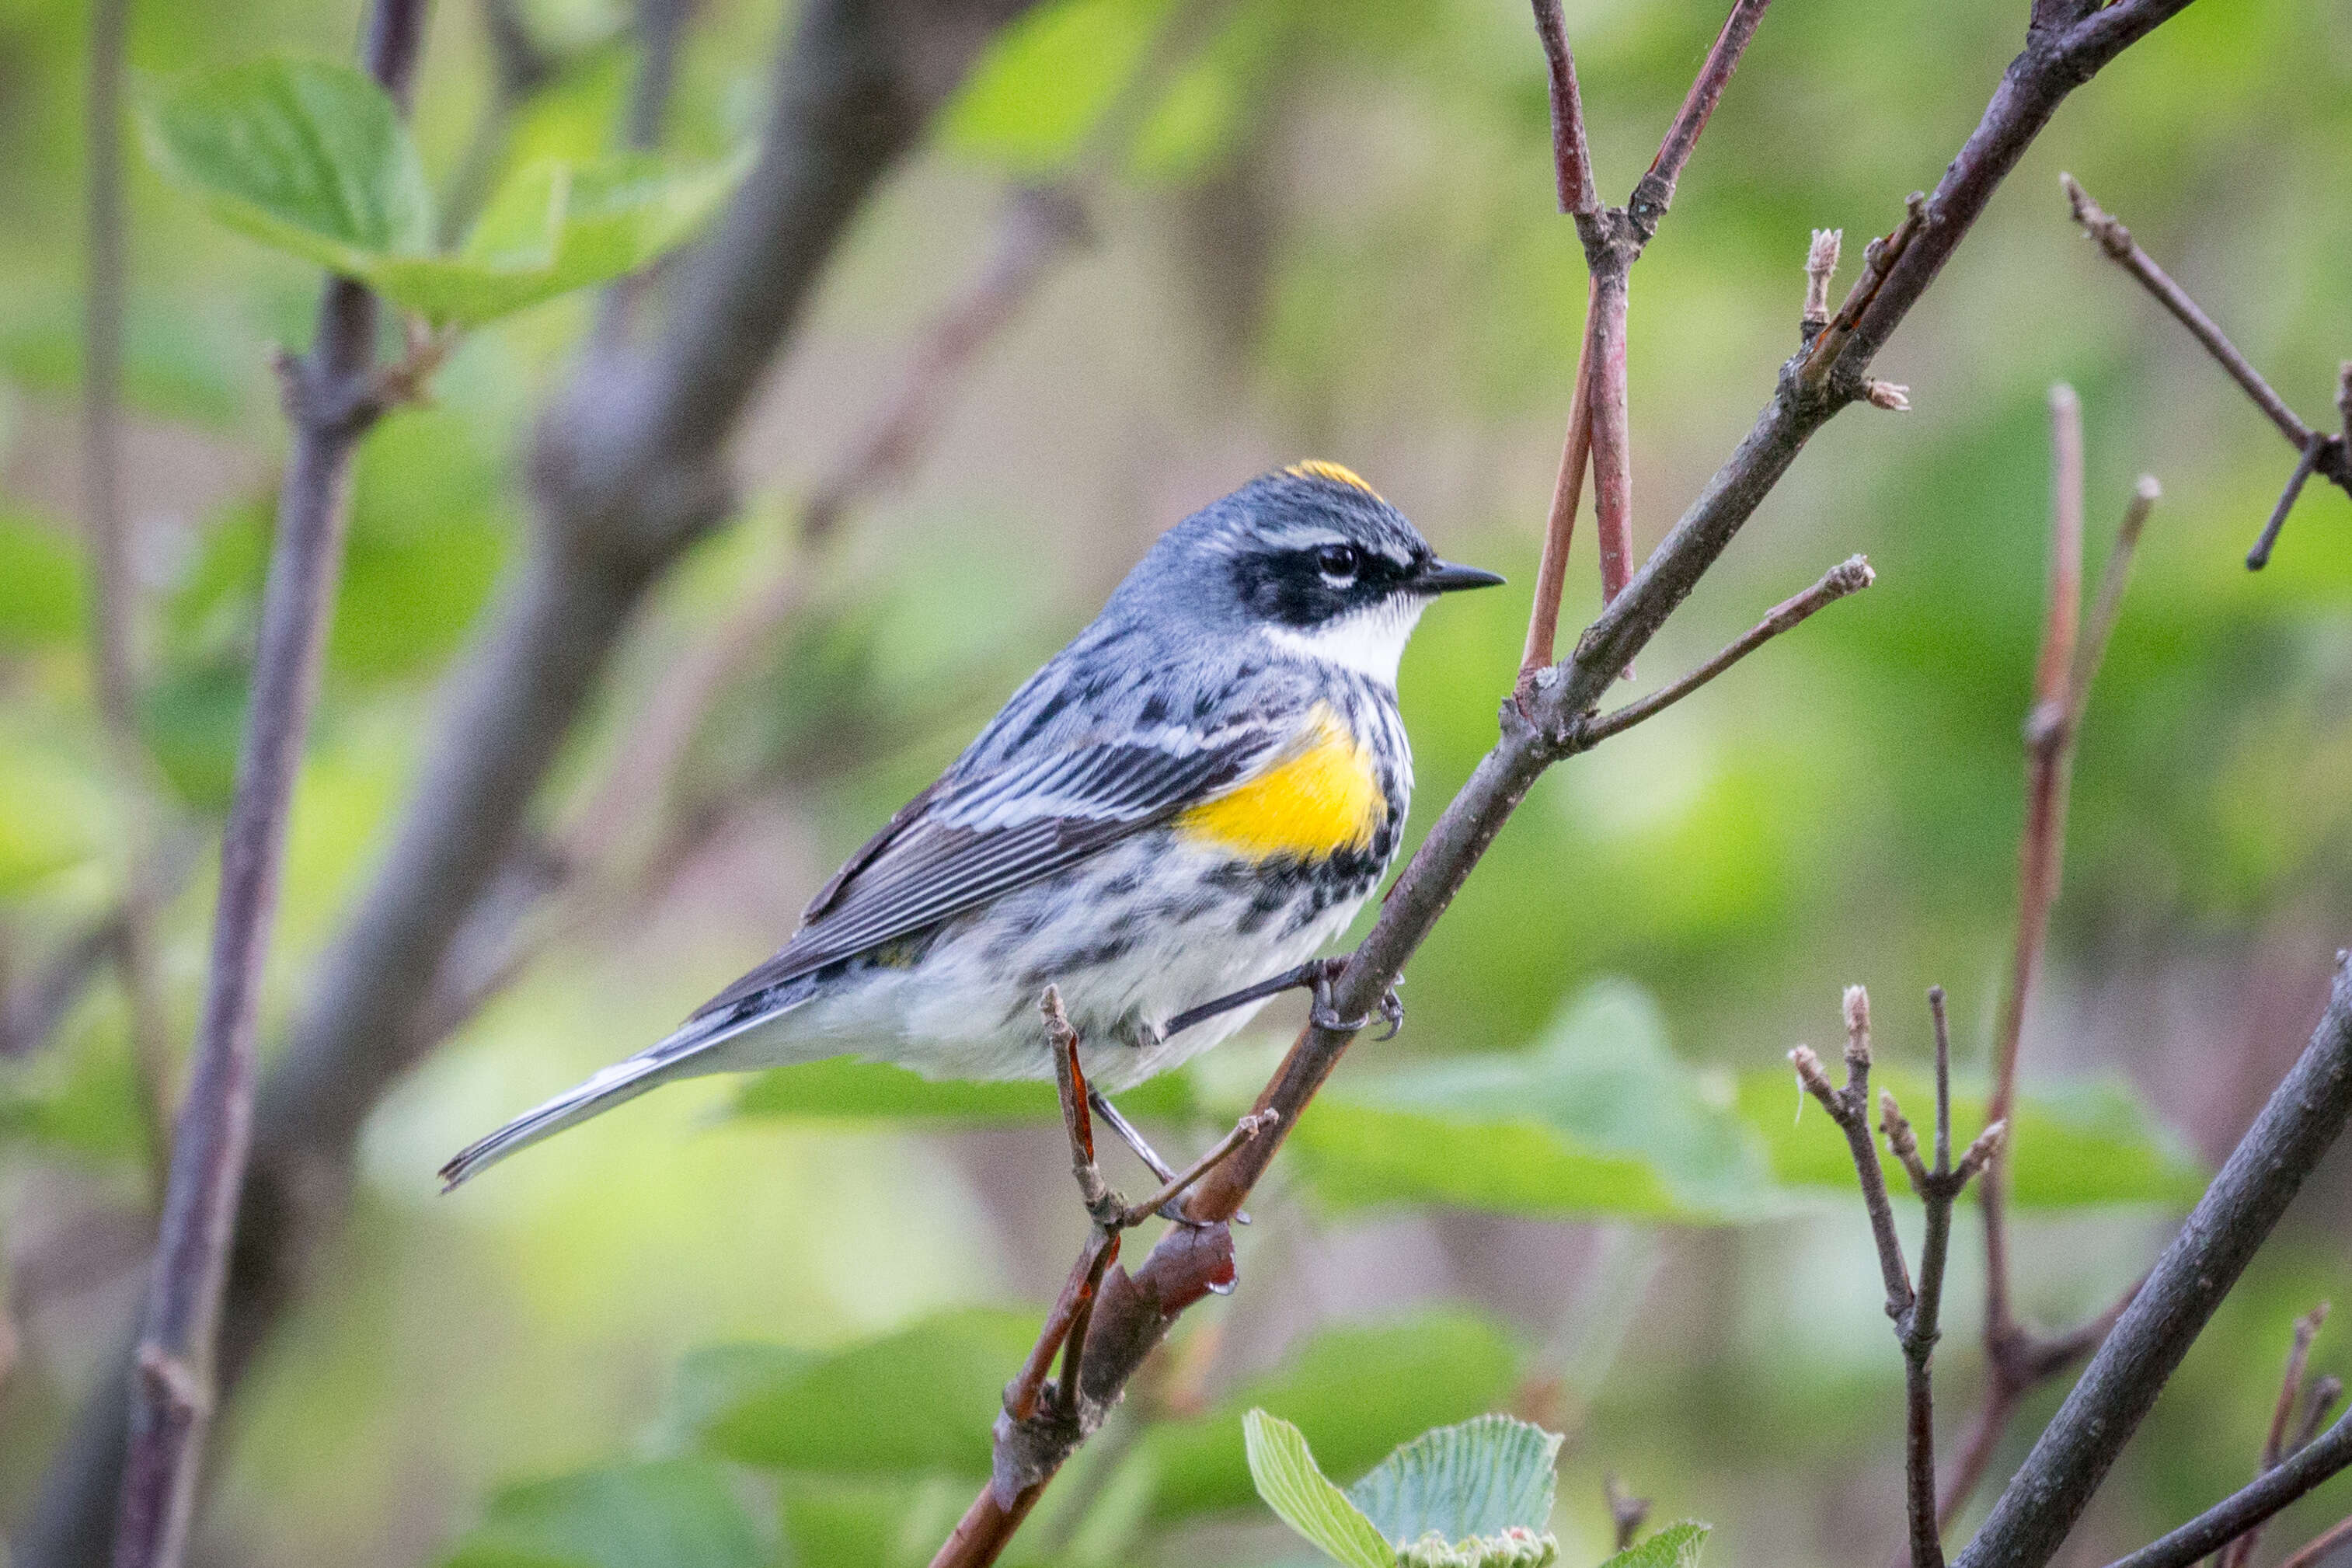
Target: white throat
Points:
(1371, 641)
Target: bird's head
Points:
(1311, 559)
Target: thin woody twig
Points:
(2236, 1517)
(1605, 402)
(1849, 577)
(1560, 526)
(1655, 190)
(2106, 605)
(2305, 465)
(2317, 1549)
(1627, 1513)
(2116, 241)
(1572, 175)
(2072, 651)
(1613, 238)
(1571, 156)
(1914, 1308)
(2297, 1128)
(2049, 738)
(2240, 1552)
(1849, 1107)
(2317, 452)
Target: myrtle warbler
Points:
(1194, 796)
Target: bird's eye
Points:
(1338, 563)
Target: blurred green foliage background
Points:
(735, 1325)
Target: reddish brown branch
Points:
(2312, 1552)
(1612, 441)
(1655, 190)
(1613, 238)
(1560, 526)
(1571, 157)
(2017, 1360)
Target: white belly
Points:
(1137, 935)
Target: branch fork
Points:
(1613, 238)
(1914, 1308)
(2327, 454)
(1045, 1417)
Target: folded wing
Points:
(965, 841)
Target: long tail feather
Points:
(685, 1054)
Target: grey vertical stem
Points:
(331, 401)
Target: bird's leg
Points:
(1317, 974)
(1173, 1209)
(1129, 1135)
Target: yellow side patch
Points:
(1323, 798)
(1317, 468)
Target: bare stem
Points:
(2315, 1551)
(2240, 1552)
(1849, 577)
(332, 397)
(1655, 190)
(1571, 157)
(2317, 452)
(1613, 454)
(2050, 736)
(2116, 241)
(1850, 1108)
(1560, 526)
(2312, 450)
(2237, 1517)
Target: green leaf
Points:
(674, 1513)
(1356, 1389)
(1599, 1119)
(303, 155)
(554, 227)
(844, 1088)
(923, 1399)
(1676, 1546)
(313, 159)
(1287, 1476)
(41, 583)
(2072, 1145)
(1484, 1476)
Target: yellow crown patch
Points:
(1317, 468)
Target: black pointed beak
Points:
(1446, 577)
